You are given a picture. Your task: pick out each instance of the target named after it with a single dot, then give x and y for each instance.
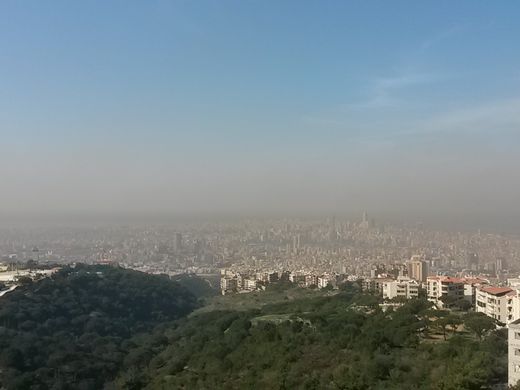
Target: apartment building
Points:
(513, 356)
(497, 302)
(439, 287)
(402, 287)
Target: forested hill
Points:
(342, 341)
(107, 328)
(74, 329)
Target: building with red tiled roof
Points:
(500, 303)
(439, 287)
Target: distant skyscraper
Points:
(178, 241)
(418, 269)
(473, 261)
(364, 222)
(36, 254)
(296, 243)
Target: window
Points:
(517, 367)
(517, 335)
(517, 351)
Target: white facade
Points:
(513, 357)
(444, 286)
(497, 302)
(249, 284)
(325, 280)
(403, 287)
(228, 284)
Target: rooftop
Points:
(496, 290)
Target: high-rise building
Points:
(178, 241)
(418, 269)
(472, 261)
(296, 243)
(364, 222)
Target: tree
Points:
(442, 323)
(479, 324)
(449, 300)
(453, 321)
(450, 320)
(463, 304)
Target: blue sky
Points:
(248, 105)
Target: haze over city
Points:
(259, 108)
(250, 194)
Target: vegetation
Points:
(108, 328)
(196, 285)
(327, 342)
(74, 330)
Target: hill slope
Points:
(337, 342)
(73, 330)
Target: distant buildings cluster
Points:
(236, 282)
(11, 277)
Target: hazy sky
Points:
(253, 106)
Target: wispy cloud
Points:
(442, 36)
(491, 116)
(388, 91)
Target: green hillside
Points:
(108, 328)
(327, 342)
(74, 330)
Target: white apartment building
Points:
(444, 286)
(375, 285)
(228, 284)
(310, 280)
(325, 280)
(470, 288)
(249, 284)
(402, 287)
(513, 356)
(499, 303)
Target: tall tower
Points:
(418, 269)
(178, 242)
(364, 222)
(36, 254)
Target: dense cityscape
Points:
(468, 270)
(279, 195)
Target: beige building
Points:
(418, 269)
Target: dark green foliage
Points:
(479, 324)
(323, 343)
(103, 327)
(69, 331)
(198, 286)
